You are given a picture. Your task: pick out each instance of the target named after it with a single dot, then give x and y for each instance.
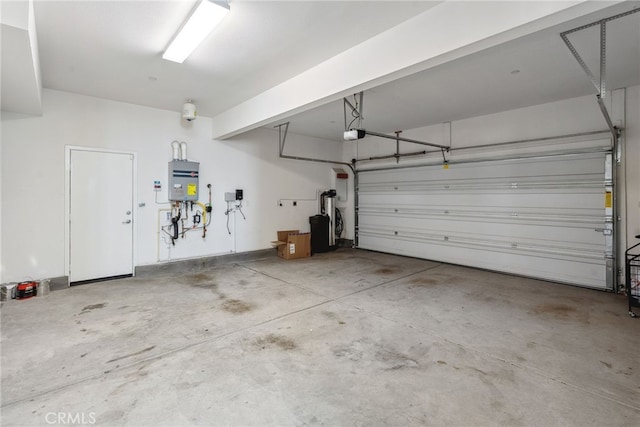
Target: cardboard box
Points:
(292, 244)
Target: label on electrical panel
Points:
(192, 189)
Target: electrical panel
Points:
(183, 181)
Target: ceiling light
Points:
(205, 17)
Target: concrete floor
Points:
(344, 338)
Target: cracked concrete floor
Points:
(344, 338)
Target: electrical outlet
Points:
(168, 216)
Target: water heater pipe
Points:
(183, 151)
(175, 147)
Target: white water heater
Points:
(328, 208)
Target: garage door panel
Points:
(460, 200)
(542, 217)
(553, 249)
(586, 238)
(554, 214)
(560, 167)
(489, 214)
(576, 271)
(579, 199)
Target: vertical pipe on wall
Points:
(183, 151)
(175, 149)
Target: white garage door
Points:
(547, 217)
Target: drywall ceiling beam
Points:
(15, 13)
(21, 83)
(441, 34)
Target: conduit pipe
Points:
(282, 136)
(158, 233)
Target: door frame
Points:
(67, 203)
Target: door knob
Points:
(127, 221)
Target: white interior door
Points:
(100, 215)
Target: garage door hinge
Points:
(605, 231)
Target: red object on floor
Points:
(27, 290)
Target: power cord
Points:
(230, 210)
(239, 207)
(339, 223)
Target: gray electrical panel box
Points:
(183, 181)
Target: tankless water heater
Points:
(183, 181)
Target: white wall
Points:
(558, 118)
(632, 156)
(33, 168)
(21, 79)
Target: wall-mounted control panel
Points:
(183, 181)
(232, 197)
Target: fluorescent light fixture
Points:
(201, 22)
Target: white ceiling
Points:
(487, 82)
(112, 50)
